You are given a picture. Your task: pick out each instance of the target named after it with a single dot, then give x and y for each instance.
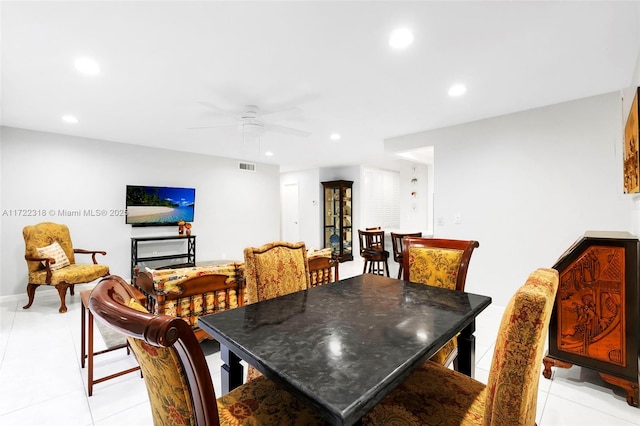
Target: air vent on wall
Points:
(247, 167)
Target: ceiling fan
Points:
(252, 121)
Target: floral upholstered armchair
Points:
(436, 395)
(51, 261)
(439, 263)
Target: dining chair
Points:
(273, 270)
(440, 263)
(51, 261)
(376, 258)
(396, 243)
(437, 395)
(176, 373)
(323, 270)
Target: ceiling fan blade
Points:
(284, 114)
(286, 130)
(213, 127)
(217, 109)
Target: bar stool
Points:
(376, 258)
(87, 352)
(396, 242)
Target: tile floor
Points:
(42, 383)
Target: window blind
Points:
(381, 198)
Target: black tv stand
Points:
(188, 253)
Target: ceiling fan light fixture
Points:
(335, 136)
(252, 128)
(253, 123)
(70, 119)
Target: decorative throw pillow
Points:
(134, 304)
(54, 251)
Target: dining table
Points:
(342, 347)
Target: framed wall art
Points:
(631, 160)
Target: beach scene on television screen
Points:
(159, 204)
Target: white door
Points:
(290, 213)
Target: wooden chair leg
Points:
(31, 292)
(62, 291)
(90, 353)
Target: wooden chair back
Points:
(275, 269)
(396, 243)
(373, 252)
(173, 365)
(438, 262)
(512, 386)
(371, 240)
(323, 270)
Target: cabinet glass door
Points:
(337, 218)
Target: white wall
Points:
(627, 99)
(311, 199)
(310, 204)
(415, 214)
(527, 185)
(234, 209)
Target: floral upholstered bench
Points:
(191, 292)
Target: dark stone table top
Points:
(343, 346)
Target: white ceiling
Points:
(159, 59)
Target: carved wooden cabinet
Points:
(596, 318)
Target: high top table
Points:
(344, 346)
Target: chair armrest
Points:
(138, 295)
(144, 282)
(39, 259)
(91, 252)
(47, 261)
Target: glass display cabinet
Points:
(337, 218)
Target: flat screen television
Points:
(159, 205)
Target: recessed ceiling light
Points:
(269, 154)
(87, 66)
(69, 119)
(457, 90)
(400, 38)
(335, 136)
